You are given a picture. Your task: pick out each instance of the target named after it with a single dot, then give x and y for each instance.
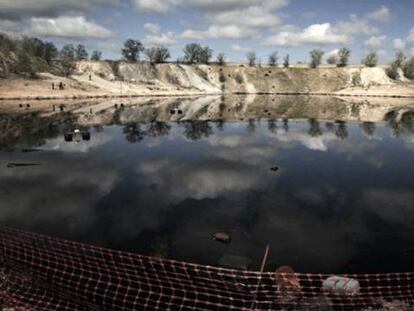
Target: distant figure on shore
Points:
(53, 85)
(60, 86)
(90, 77)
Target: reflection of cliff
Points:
(237, 108)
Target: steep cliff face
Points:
(233, 78)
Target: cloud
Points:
(164, 39)
(332, 53)
(355, 26)
(163, 6)
(67, 27)
(152, 28)
(238, 48)
(321, 34)
(381, 15)
(375, 42)
(217, 31)
(18, 9)
(398, 44)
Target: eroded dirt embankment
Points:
(113, 79)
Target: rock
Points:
(222, 237)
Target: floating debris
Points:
(77, 135)
(222, 237)
(274, 168)
(13, 165)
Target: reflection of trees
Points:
(272, 126)
(194, 130)
(391, 119)
(133, 133)
(314, 128)
(407, 121)
(341, 130)
(30, 131)
(286, 125)
(157, 128)
(368, 128)
(251, 126)
(220, 125)
(330, 126)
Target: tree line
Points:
(33, 55)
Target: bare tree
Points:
(316, 58)
(195, 53)
(96, 55)
(343, 57)
(286, 61)
(81, 52)
(371, 60)
(273, 59)
(157, 54)
(221, 59)
(251, 58)
(132, 49)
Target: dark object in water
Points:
(180, 111)
(234, 262)
(274, 168)
(62, 107)
(77, 135)
(31, 150)
(116, 106)
(12, 165)
(20, 105)
(86, 136)
(222, 237)
(68, 137)
(172, 111)
(28, 105)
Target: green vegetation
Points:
(408, 69)
(96, 55)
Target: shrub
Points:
(392, 71)
(371, 60)
(343, 57)
(408, 69)
(286, 62)
(273, 58)
(221, 59)
(251, 58)
(239, 78)
(157, 54)
(356, 79)
(316, 58)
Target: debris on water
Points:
(274, 168)
(31, 150)
(77, 135)
(234, 262)
(62, 107)
(341, 285)
(12, 165)
(222, 237)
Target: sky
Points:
(232, 27)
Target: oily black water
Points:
(340, 200)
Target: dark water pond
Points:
(342, 199)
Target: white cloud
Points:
(157, 6)
(238, 48)
(332, 53)
(164, 39)
(217, 31)
(255, 16)
(375, 42)
(321, 34)
(398, 44)
(355, 26)
(152, 28)
(69, 27)
(381, 15)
